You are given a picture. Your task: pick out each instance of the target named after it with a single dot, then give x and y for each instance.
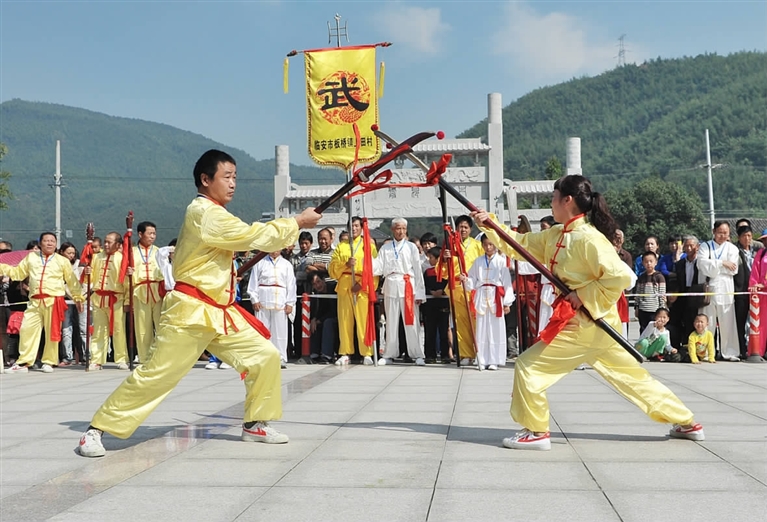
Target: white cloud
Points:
(554, 45)
(421, 29)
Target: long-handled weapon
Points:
(362, 175)
(561, 286)
(131, 323)
(450, 277)
(90, 232)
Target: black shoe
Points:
(430, 361)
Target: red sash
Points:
(57, 314)
(112, 300)
(191, 291)
(409, 301)
(500, 292)
(623, 308)
(563, 312)
(149, 291)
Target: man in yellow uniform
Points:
(109, 300)
(472, 249)
(47, 272)
(147, 280)
(201, 314)
(352, 299)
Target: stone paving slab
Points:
(391, 443)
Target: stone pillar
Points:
(281, 179)
(495, 158)
(573, 157)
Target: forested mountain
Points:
(112, 165)
(639, 120)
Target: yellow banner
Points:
(341, 91)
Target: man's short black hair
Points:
(40, 240)
(434, 252)
(143, 225)
(464, 219)
(428, 237)
(208, 165)
(304, 236)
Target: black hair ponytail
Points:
(593, 204)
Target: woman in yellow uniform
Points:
(580, 253)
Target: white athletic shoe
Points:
(211, 366)
(283, 363)
(694, 433)
(17, 369)
(342, 361)
(123, 366)
(224, 366)
(420, 362)
(93, 367)
(47, 368)
(383, 361)
(368, 361)
(527, 440)
(90, 444)
(262, 432)
(492, 367)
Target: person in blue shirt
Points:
(667, 262)
(650, 245)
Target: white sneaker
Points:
(224, 366)
(492, 367)
(17, 369)
(368, 361)
(732, 359)
(283, 363)
(90, 444)
(93, 367)
(383, 361)
(527, 440)
(465, 361)
(211, 366)
(262, 432)
(420, 362)
(693, 433)
(123, 366)
(342, 361)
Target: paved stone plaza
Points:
(391, 443)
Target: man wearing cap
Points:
(758, 283)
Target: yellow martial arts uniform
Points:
(203, 261)
(348, 311)
(472, 249)
(587, 263)
(147, 302)
(109, 300)
(47, 275)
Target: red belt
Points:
(112, 300)
(57, 315)
(499, 293)
(149, 292)
(192, 291)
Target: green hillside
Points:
(111, 165)
(639, 120)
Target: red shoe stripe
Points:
(259, 432)
(530, 438)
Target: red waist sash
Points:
(500, 292)
(57, 314)
(112, 300)
(149, 291)
(192, 291)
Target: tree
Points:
(553, 168)
(657, 207)
(5, 193)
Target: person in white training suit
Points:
(400, 264)
(272, 290)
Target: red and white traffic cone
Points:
(755, 344)
(305, 326)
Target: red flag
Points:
(368, 283)
(85, 258)
(127, 255)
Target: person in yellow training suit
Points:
(147, 284)
(472, 249)
(47, 272)
(580, 253)
(201, 314)
(342, 262)
(110, 301)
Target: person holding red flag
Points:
(349, 266)
(403, 289)
(201, 314)
(109, 301)
(47, 272)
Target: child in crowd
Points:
(700, 344)
(490, 280)
(435, 311)
(655, 340)
(651, 290)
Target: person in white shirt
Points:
(272, 290)
(400, 264)
(490, 279)
(718, 263)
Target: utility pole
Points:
(621, 51)
(338, 31)
(57, 185)
(710, 182)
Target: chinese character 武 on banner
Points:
(341, 91)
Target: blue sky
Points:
(215, 68)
